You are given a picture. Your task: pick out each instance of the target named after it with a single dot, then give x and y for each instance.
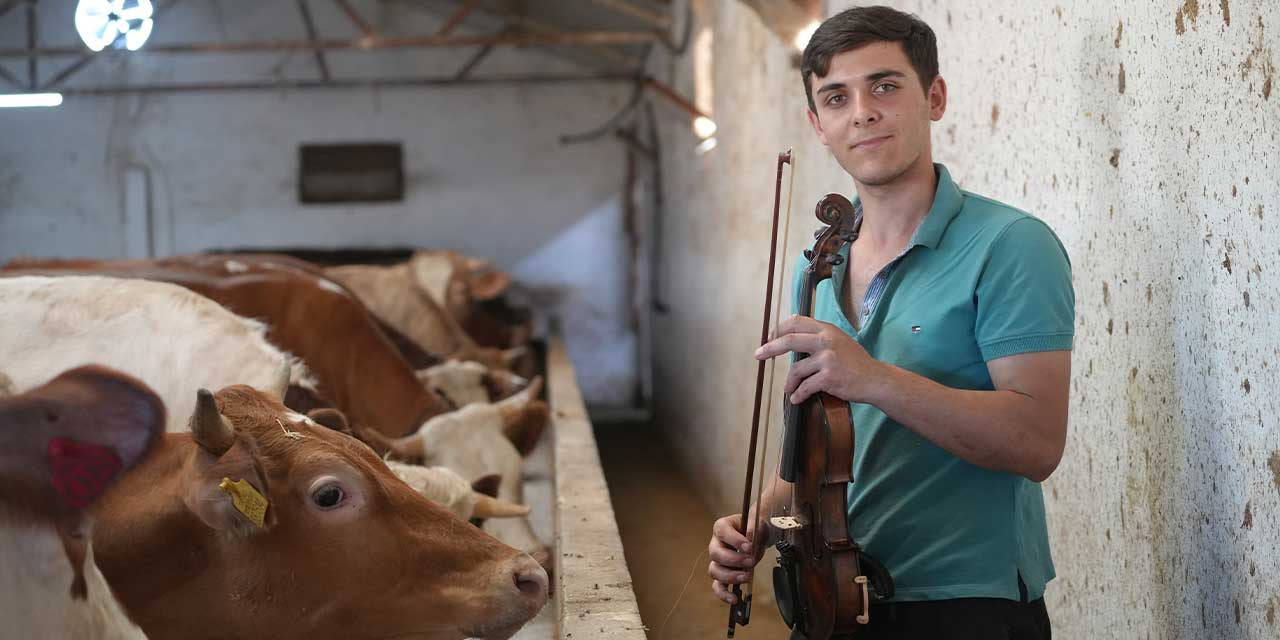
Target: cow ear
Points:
(526, 425)
(331, 418)
(229, 492)
(487, 285)
(487, 485)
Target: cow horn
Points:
(510, 357)
(487, 507)
(283, 377)
(212, 431)
(410, 448)
(510, 407)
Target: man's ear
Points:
(817, 126)
(937, 98)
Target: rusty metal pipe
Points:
(412, 42)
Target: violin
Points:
(824, 582)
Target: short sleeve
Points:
(1025, 301)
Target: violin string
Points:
(662, 630)
(773, 363)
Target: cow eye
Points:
(327, 496)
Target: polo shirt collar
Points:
(947, 202)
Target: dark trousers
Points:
(959, 619)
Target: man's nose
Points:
(864, 112)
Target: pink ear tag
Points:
(81, 471)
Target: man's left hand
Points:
(836, 364)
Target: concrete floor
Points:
(665, 528)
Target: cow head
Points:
(63, 443)
(263, 523)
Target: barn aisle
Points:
(665, 528)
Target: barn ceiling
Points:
(245, 44)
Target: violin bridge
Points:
(786, 523)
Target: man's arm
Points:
(1020, 427)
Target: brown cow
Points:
(358, 369)
(397, 298)
(244, 528)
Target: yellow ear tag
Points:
(246, 499)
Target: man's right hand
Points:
(733, 557)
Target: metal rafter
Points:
(659, 20)
(343, 83)
(12, 79)
(411, 42)
(458, 16)
(355, 18)
(33, 80)
(314, 39)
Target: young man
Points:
(949, 333)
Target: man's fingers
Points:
(723, 592)
(726, 531)
(727, 575)
(798, 324)
(727, 557)
(798, 342)
(810, 386)
(799, 371)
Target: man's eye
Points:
(885, 87)
(835, 100)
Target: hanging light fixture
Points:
(120, 24)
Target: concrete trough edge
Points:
(594, 595)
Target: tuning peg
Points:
(808, 254)
(835, 259)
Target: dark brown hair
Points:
(853, 28)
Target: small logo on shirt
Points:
(915, 328)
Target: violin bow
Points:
(740, 612)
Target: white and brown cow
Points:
(172, 339)
(480, 440)
(243, 528)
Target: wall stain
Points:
(1115, 158)
(1259, 212)
(995, 116)
(1271, 611)
(1226, 263)
(1111, 325)
(1233, 191)
(1121, 78)
(1226, 12)
(1148, 294)
(1274, 463)
(1260, 60)
(1246, 386)
(1248, 515)
(1190, 10)
(1106, 295)
(1246, 299)
(1119, 33)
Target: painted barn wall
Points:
(485, 171)
(1147, 134)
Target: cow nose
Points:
(531, 579)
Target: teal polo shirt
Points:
(980, 280)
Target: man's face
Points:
(872, 113)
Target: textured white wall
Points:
(485, 171)
(1146, 133)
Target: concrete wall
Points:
(1146, 134)
(485, 172)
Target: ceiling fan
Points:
(120, 24)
